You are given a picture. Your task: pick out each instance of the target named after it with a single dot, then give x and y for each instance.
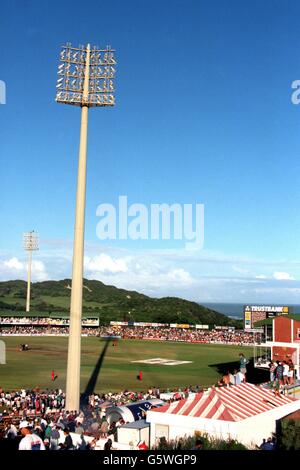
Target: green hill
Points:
(107, 302)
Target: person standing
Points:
(29, 441)
(285, 373)
(291, 373)
(243, 364)
(273, 366)
(279, 373)
(54, 438)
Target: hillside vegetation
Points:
(107, 302)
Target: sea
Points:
(236, 311)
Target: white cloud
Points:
(282, 276)
(39, 272)
(14, 263)
(13, 268)
(240, 270)
(180, 275)
(204, 276)
(105, 264)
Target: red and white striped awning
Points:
(232, 403)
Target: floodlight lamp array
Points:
(30, 240)
(72, 71)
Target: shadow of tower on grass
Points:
(90, 387)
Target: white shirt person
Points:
(29, 441)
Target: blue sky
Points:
(203, 115)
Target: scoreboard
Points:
(254, 313)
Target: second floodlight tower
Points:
(31, 243)
(86, 80)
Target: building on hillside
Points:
(245, 412)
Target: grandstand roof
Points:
(233, 403)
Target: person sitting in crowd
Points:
(104, 428)
(239, 377)
(198, 444)
(83, 445)
(68, 443)
(267, 445)
(108, 445)
(142, 445)
(113, 430)
(92, 444)
(225, 380)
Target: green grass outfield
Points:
(33, 368)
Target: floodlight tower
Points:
(86, 80)
(31, 243)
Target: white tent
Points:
(245, 412)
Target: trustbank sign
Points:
(154, 222)
(266, 308)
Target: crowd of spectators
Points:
(45, 321)
(33, 321)
(27, 402)
(40, 416)
(32, 401)
(238, 337)
(191, 335)
(32, 330)
(43, 414)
